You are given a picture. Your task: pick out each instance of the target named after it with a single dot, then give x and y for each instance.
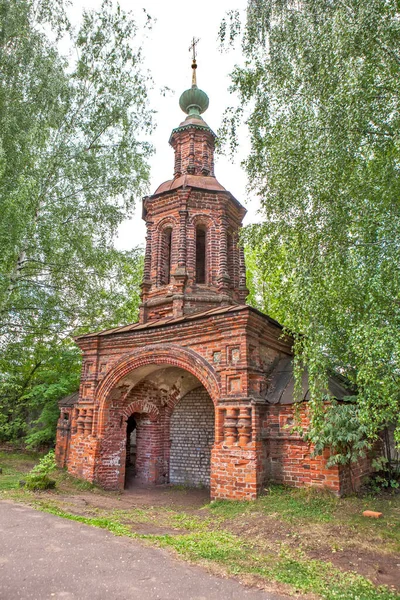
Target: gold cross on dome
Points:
(192, 47)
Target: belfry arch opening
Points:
(201, 240)
(166, 256)
(165, 429)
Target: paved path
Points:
(44, 557)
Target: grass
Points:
(73, 483)
(114, 526)
(308, 509)
(303, 505)
(300, 573)
(298, 505)
(14, 467)
(234, 536)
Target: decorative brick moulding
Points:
(200, 390)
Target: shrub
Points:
(39, 482)
(46, 464)
(38, 478)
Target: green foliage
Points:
(37, 483)
(319, 91)
(46, 464)
(74, 175)
(340, 430)
(72, 163)
(38, 479)
(387, 476)
(381, 482)
(34, 379)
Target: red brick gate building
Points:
(200, 390)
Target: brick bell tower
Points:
(193, 261)
(201, 390)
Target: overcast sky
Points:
(166, 52)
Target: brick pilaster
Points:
(223, 275)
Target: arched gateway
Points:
(156, 419)
(198, 391)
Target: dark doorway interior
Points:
(130, 466)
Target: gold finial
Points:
(192, 48)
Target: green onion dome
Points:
(194, 101)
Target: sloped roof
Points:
(69, 400)
(281, 386)
(197, 181)
(219, 310)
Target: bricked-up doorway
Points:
(192, 438)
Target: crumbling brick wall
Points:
(289, 458)
(354, 475)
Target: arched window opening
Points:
(166, 252)
(200, 255)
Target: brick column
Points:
(191, 165)
(236, 463)
(178, 160)
(180, 274)
(83, 443)
(206, 166)
(212, 161)
(223, 275)
(243, 291)
(146, 283)
(236, 260)
(147, 256)
(182, 241)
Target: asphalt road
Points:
(44, 557)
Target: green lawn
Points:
(14, 467)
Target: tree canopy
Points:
(73, 160)
(320, 93)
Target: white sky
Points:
(166, 53)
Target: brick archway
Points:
(141, 406)
(168, 355)
(115, 408)
(142, 457)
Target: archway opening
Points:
(130, 459)
(157, 428)
(144, 458)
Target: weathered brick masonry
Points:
(204, 380)
(190, 457)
